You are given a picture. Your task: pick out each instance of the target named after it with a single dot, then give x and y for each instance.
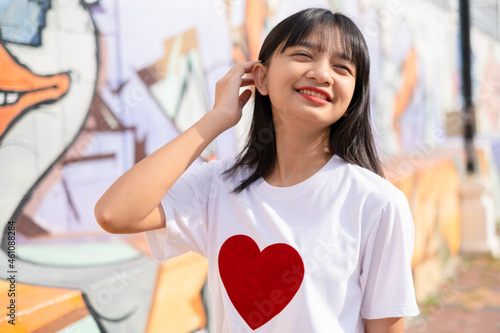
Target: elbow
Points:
(105, 220)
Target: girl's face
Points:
(311, 82)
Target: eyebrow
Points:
(318, 48)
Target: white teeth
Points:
(11, 98)
(7, 98)
(313, 93)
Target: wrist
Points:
(221, 120)
(212, 125)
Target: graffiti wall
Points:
(90, 87)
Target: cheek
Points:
(348, 89)
(351, 93)
(279, 88)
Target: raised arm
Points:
(132, 203)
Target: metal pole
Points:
(467, 86)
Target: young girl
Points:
(301, 232)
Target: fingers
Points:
(248, 65)
(247, 81)
(227, 88)
(244, 97)
(244, 67)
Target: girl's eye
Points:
(302, 54)
(343, 68)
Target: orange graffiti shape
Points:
(21, 89)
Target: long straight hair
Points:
(350, 137)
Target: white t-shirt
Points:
(314, 257)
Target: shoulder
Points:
(219, 167)
(214, 167)
(216, 170)
(383, 208)
(366, 184)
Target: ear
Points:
(259, 74)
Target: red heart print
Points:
(259, 284)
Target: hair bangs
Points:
(331, 31)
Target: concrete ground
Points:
(467, 303)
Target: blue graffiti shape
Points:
(22, 21)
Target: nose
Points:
(321, 71)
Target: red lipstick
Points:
(315, 98)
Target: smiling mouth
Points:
(314, 96)
(313, 93)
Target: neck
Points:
(300, 154)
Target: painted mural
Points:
(90, 87)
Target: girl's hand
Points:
(228, 101)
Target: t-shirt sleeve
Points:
(185, 207)
(386, 277)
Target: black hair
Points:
(351, 136)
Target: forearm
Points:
(134, 195)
